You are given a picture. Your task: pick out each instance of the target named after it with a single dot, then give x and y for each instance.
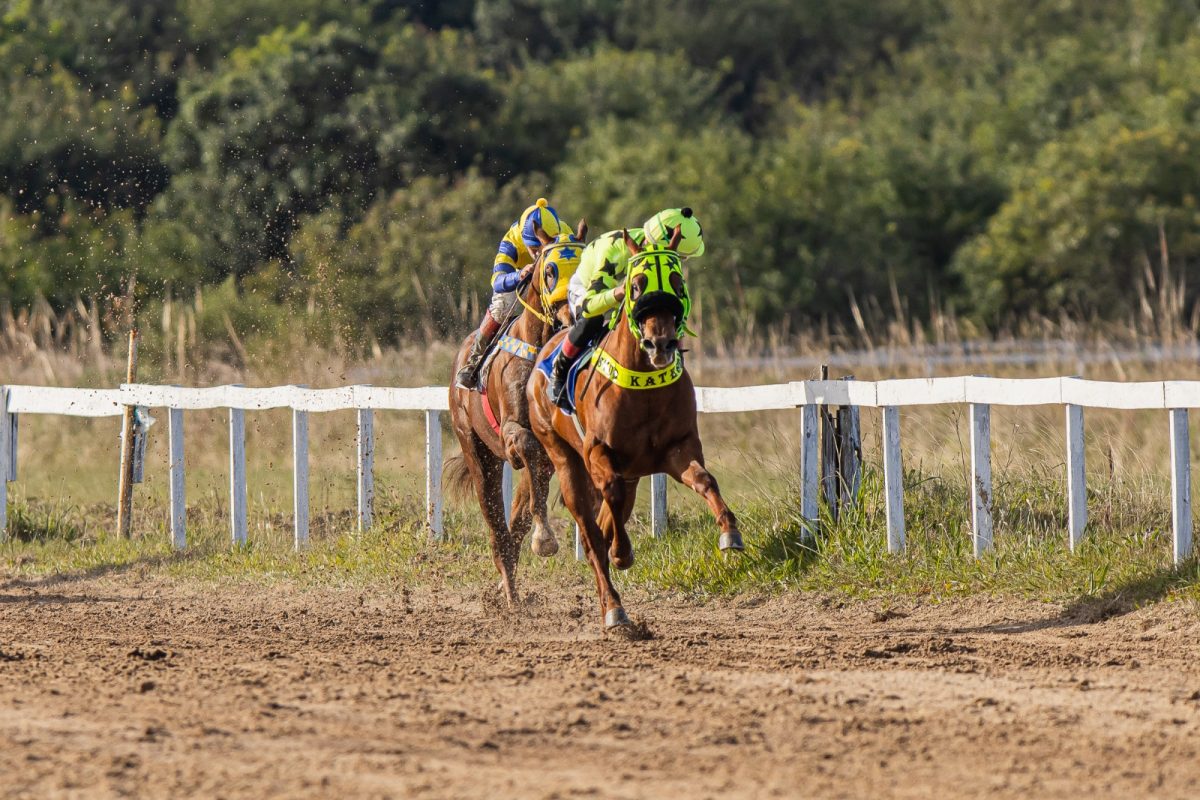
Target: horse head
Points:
(656, 298)
(557, 262)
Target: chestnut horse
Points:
(500, 433)
(636, 414)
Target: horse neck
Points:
(528, 327)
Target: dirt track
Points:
(145, 687)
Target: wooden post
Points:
(175, 457)
(829, 472)
(981, 478)
(433, 473)
(849, 452)
(1181, 486)
(506, 492)
(237, 475)
(809, 479)
(893, 479)
(5, 463)
(658, 505)
(125, 482)
(1076, 478)
(366, 468)
(300, 476)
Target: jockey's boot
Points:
(468, 376)
(556, 389)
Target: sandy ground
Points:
(135, 686)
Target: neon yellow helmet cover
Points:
(658, 229)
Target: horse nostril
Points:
(647, 344)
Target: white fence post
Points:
(433, 473)
(981, 478)
(5, 462)
(893, 479)
(810, 444)
(1076, 478)
(237, 475)
(1181, 485)
(14, 428)
(658, 505)
(300, 475)
(177, 491)
(366, 468)
(579, 554)
(506, 492)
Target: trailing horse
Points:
(492, 424)
(635, 416)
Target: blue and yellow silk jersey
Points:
(513, 253)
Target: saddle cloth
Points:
(546, 365)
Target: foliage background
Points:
(359, 159)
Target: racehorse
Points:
(492, 425)
(635, 416)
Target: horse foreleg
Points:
(545, 542)
(686, 465)
(524, 450)
(580, 498)
(613, 488)
(608, 523)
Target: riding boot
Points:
(468, 376)
(556, 390)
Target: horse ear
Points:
(542, 236)
(630, 243)
(581, 230)
(676, 235)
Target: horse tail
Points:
(457, 478)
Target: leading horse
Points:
(492, 425)
(635, 416)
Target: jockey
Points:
(518, 250)
(598, 286)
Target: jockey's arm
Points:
(604, 292)
(505, 278)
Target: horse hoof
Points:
(615, 618)
(731, 541)
(621, 562)
(544, 547)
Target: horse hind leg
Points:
(487, 472)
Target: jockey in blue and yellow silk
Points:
(598, 286)
(513, 264)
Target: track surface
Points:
(141, 686)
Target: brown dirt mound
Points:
(148, 687)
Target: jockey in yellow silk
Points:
(518, 250)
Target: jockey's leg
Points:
(498, 309)
(585, 331)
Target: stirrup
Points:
(467, 385)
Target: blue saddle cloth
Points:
(546, 365)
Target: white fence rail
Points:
(978, 393)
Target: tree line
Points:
(1001, 158)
